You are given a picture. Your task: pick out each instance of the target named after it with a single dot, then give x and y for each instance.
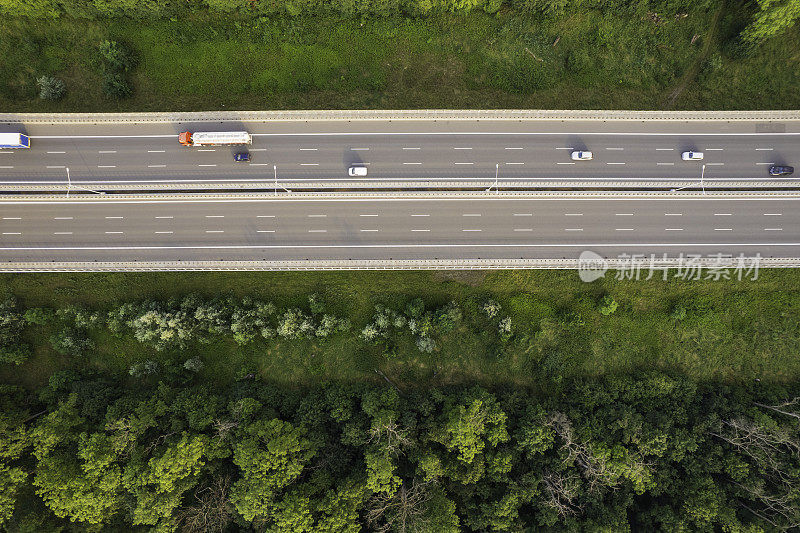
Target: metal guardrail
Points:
(439, 264)
(411, 114)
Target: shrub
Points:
(195, 364)
(12, 350)
(71, 341)
(425, 344)
(116, 86)
(143, 369)
(608, 305)
(491, 308)
(118, 57)
(38, 316)
(50, 88)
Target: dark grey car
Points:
(777, 170)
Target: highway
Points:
(538, 152)
(449, 228)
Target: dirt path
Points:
(691, 72)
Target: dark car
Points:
(780, 170)
(242, 157)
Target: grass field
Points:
(733, 331)
(589, 60)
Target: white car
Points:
(581, 156)
(357, 171)
(692, 156)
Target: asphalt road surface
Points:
(403, 150)
(444, 228)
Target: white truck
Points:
(213, 138)
(14, 140)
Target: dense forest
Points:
(646, 453)
(166, 447)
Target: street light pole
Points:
(69, 183)
(496, 172)
(702, 174)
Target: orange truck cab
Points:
(185, 138)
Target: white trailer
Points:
(14, 140)
(212, 138)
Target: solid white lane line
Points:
(723, 229)
(411, 148)
(368, 215)
(573, 214)
(673, 229)
(163, 232)
(206, 150)
(461, 148)
(615, 148)
(265, 216)
(523, 229)
(114, 232)
(773, 229)
(412, 163)
(309, 164)
(263, 149)
(623, 214)
(773, 214)
(106, 166)
(571, 163)
(56, 166)
(56, 152)
(165, 217)
(420, 230)
(318, 231)
(514, 163)
(673, 214)
(307, 149)
(514, 148)
(368, 230)
(615, 163)
(564, 148)
(6, 167)
(107, 152)
(156, 166)
(265, 231)
(215, 216)
(62, 233)
(156, 151)
(11, 233)
(723, 214)
(764, 149)
(63, 218)
(463, 163)
(6, 151)
(12, 218)
(623, 229)
(115, 217)
(471, 214)
(573, 229)
(523, 214)
(359, 149)
(714, 149)
(670, 164)
(259, 164)
(471, 230)
(317, 216)
(664, 149)
(215, 231)
(206, 165)
(420, 215)
(714, 164)
(765, 163)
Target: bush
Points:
(38, 316)
(71, 341)
(116, 86)
(608, 305)
(195, 364)
(50, 88)
(118, 57)
(12, 350)
(143, 369)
